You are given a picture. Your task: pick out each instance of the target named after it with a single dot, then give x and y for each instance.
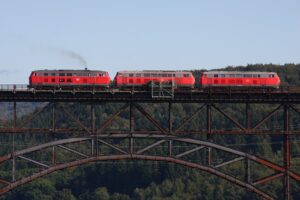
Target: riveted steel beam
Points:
(112, 146)
(188, 119)
(228, 117)
(287, 154)
(229, 162)
(155, 144)
(189, 151)
(138, 157)
(150, 118)
(267, 117)
(34, 161)
(268, 178)
(73, 151)
(111, 119)
(35, 114)
(75, 119)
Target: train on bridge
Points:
(95, 79)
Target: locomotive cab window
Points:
(69, 74)
(130, 75)
(186, 75)
(61, 74)
(45, 74)
(215, 75)
(52, 74)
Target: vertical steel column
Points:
(13, 143)
(287, 153)
(13, 169)
(53, 156)
(208, 136)
(15, 115)
(93, 128)
(247, 170)
(93, 119)
(170, 118)
(92, 147)
(53, 116)
(170, 143)
(208, 120)
(170, 147)
(131, 126)
(248, 122)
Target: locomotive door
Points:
(209, 81)
(61, 78)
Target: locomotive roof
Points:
(68, 70)
(237, 72)
(154, 71)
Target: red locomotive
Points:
(94, 79)
(47, 79)
(144, 78)
(238, 79)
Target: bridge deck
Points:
(216, 95)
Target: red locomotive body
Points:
(144, 78)
(68, 79)
(239, 79)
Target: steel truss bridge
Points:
(172, 143)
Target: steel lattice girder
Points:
(247, 129)
(142, 154)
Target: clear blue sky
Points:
(138, 34)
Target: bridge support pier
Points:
(131, 127)
(170, 118)
(248, 122)
(208, 120)
(53, 116)
(13, 142)
(287, 153)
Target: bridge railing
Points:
(281, 89)
(14, 87)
